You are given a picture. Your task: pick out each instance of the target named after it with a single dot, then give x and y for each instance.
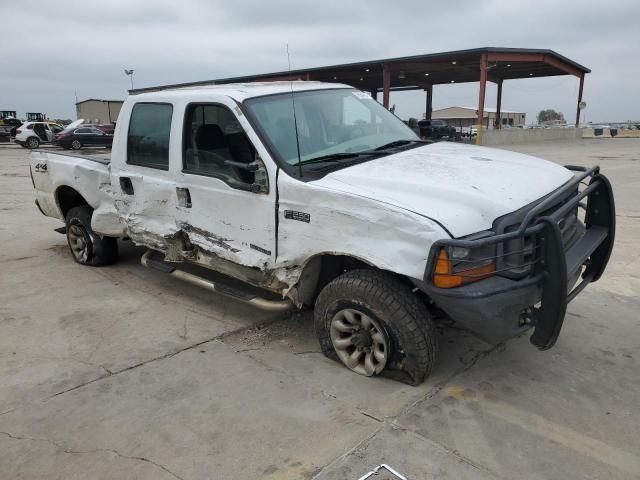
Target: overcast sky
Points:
(52, 51)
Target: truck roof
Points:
(241, 91)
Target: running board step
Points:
(220, 288)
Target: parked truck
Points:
(313, 194)
(437, 129)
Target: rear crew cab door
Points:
(142, 177)
(222, 208)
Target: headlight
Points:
(456, 266)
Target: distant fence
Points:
(510, 136)
(611, 132)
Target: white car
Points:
(341, 207)
(33, 134)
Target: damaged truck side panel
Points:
(75, 181)
(350, 225)
(222, 221)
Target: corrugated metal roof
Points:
(420, 71)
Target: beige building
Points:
(467, 116)
(98, 111)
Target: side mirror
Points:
(260, 182)
(249, 167)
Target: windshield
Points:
(330, 123)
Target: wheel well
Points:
(67, 198)
(321, 270)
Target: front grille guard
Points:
(551, 269)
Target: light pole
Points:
(130, 74)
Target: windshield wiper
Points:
(334, 157)
(396, 143)
(382, 150)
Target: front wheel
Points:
(76, 144)
(87, 247)
(33, 142)
(375, 325)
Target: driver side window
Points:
(215, 145)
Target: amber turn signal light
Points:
(445, 277)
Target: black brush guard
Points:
(554, 267)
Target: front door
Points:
(143, 184)
(225, 206)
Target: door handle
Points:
(184, 197)
(126, 186)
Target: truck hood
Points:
(462, 187)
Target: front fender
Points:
(382, 235)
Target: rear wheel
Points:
(375, 325)
(76, 144)
(87, 247)
(33, 142)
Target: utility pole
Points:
(130, 74)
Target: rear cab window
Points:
(148, 136)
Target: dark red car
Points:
(86, 136)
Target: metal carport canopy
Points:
(422, 72)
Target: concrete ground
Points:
(119, 372)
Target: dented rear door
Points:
(142, 175)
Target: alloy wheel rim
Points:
(76, 144)
(359, 342)
(78, 243)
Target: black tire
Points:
(408, 327)
(32, 142)
(99, 250)
(76, 144)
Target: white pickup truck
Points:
(313, 194)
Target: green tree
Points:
(550, 115)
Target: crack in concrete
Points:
(390, 420)
(347, 453)
(63, 449)
(450, 451)
(249, 349)
(110, 373)
(369, 415)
